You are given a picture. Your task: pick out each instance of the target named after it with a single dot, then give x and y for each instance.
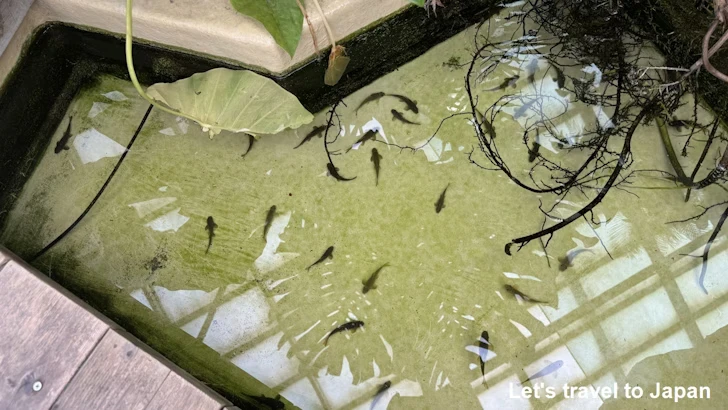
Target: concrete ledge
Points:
(11, 15)
(211, 27)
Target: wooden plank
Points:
(178, 394)
(117, 375)
(44, 337)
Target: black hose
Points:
(98, 195)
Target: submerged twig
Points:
(98, 194)
(704, 266)
(623, 160)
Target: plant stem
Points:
(310, 27)
(326, 24)
(682, 178)
(132, 73)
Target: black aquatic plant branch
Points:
(329, 124)
(706, 251)
(698, 216)
(684, 152)
(427, 141)
(670, 151)
(703, 154)
(623, 160)
(716, 174)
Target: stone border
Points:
(210, 27)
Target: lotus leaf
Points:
(233, 100)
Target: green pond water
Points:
(247, 317)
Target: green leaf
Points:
(282, 18)
(233, 100)
(420, 3)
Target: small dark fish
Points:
(335, 173)
(508, 248)
(441, 201)
(523, 109)
(488, 126)
(375, 159)
(62, 144)
(370, 283)
(483, 347)
(533, 152)
(567, 261)
(211, 225)
(560, 77)
(510, 81)
(680, 124)
(398, 116)
(251, 141)
(371, 98)
(546, 370)
(353, 326)
(314, 132)
(532, 68)
(515, 291)
(268, 221)
(677, 124)
(369, 135)
(384, 387)
(378, 395)
(411, 105)
(328, 254)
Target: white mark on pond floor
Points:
(270, 259)
(297, 338)
(92, 146)
(147, 207)
(388, 347)
(115, 96)
(170, 221)
(182, 124)
(97, 108)
(273, 284)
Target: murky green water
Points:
(248, 317)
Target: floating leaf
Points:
(282, 18)
(338, 61)
(233, 100)
(420, 3)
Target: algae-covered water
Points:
(249, 318)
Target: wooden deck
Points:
(56, 352)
